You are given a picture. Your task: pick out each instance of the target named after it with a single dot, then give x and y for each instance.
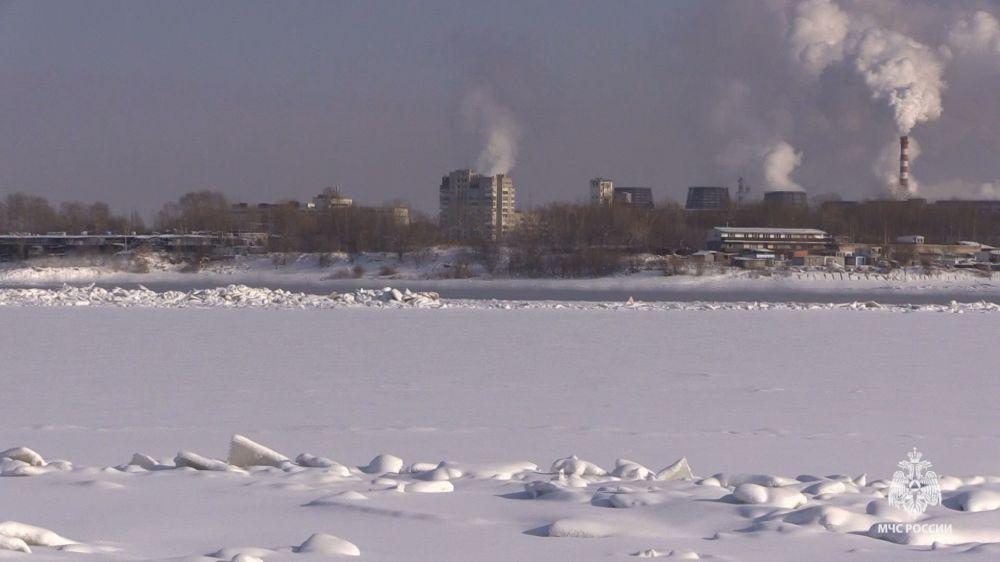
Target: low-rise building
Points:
(330, 199)
(782, 241)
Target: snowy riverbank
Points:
(438, 268)
(241, 296)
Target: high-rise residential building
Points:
(702, 198)
(476, 207)
(601, 191)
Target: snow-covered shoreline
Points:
(439, 269)
(242, 296)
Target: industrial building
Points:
(706, 198)
(476, 207)
(601, 192)
(791, 198)
(637, 197)
(782, 241)
(330, 199)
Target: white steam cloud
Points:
(978, 33)
(497, 127)
(819, 28)
(780, 160)
(898, 69)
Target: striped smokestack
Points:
(904, 164)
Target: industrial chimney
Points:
(904, 165)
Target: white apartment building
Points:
(474, 206)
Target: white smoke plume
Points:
(896, 68)
(887, 168)
(780, 160)
(818, 31)
(497, 127)
(978, 33)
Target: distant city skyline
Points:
(137, 103)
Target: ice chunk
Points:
(14, 467)
(331, 466)
(198, 462)
(244, 452)
(144, 461)
(24, 455)
(679, 470)
(15, 544)
(320, 543)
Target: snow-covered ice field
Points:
(764, 397)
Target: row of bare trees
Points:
(20, 212)
(563, 230)
(293, 228)
(671, 228)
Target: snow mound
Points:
(443, 471)
(22, 461)
(831, 518)
(32, 535)
(383, 464)
(250, 551)
(974, 500)
(320, 543)
(575, 466)
(675, 554)
(430, 487)
(631, 470)
(788, 498)
(579, 529)
(826, 487)
(245, 453)
(499, 471)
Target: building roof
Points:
(760, 230)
